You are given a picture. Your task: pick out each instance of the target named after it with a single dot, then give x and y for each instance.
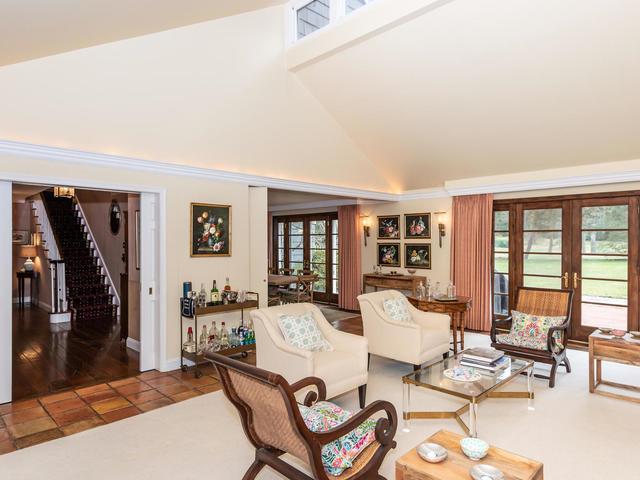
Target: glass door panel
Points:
(501, 263)
(601, 273)
(542, 255)
(296, 246)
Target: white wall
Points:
(214, 94)
(440, 257)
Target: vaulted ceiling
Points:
(483, 87)
(37, 28)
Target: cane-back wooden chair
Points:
(541, 302)
(273, 424)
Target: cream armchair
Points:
(342, 369)
(415, 342)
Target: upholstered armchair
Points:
(273, 423)
(541, 302)
(423, 338)
(342, 369)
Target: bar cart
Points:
(189, 313)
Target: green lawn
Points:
(594, 267)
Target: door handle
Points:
(565, 279)
(576, 279)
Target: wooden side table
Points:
(456, 310)
(32, 275)
(624, 350)
(456, 467)
(396, 282)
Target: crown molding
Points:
(423, 194)
(322, 204)
(130, 163)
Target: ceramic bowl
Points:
(432, 452)
(605, 330)
(411, 271)
(485, 472)
(474, 448)
(618, 333)
(635, 334)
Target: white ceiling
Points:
(37, 28)
(485, 87)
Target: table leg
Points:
(473, 418)
(21, 292)
(454, 319)
(591, 379)
(598, 370)
(462, 320)
(406, 407)
(530, 405)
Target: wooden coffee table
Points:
(456, 467)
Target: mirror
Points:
(114, 217)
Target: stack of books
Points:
(488, 359)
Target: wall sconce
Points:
(64, 192)
(441, 218)
(366, 227)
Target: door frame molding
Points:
(154, 320)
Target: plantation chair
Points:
(539, 301)
(303, 291)
(273, 424)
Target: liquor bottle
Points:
(421, 291)
(215, 294)
(224, 336)
(227, 285)
(213, 332)
(202, 297)
(202, 344)
(189, 345)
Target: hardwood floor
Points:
(30, 422)
(51, 358)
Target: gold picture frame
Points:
(210, 230)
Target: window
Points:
(501, 262)
(309, 16)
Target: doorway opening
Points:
(76, 288)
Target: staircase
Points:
(88, 292)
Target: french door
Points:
(309, 242)
(588, 244)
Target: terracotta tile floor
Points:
(38, 420)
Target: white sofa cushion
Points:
(302, 331)
(397, 309)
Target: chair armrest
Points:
(559, 328)
(345, 341)
(496, 323)
(385, 426)
(312, 396)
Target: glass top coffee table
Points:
(433, 378)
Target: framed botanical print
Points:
(417, 225)
(389, 254)
(417, 255)
(389, 227)
(210, 230)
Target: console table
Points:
(607, 348)
(32, 275)
(456, 310)
(395, 282)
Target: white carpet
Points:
(577, 435)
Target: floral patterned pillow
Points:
(397, 309)
(526, 328)
(302, 331)
(338, 455)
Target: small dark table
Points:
(33, 287)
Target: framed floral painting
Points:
(417, 225)
(417, 255)
(210, 230)
(389, 254)
(389, 227)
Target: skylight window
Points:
(309, 16)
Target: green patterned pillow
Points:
(302, 331)
(339, 454)
(397, 309)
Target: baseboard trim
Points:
(174, 364)
(62, 317)
(133, 344)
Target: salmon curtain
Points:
(471, 230)
(349, 249)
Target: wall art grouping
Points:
(210, 230)
(417, 226)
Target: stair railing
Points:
(100, 258)
(59, 302)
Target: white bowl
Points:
(485, 472)
(474, 448)
(432, 452)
